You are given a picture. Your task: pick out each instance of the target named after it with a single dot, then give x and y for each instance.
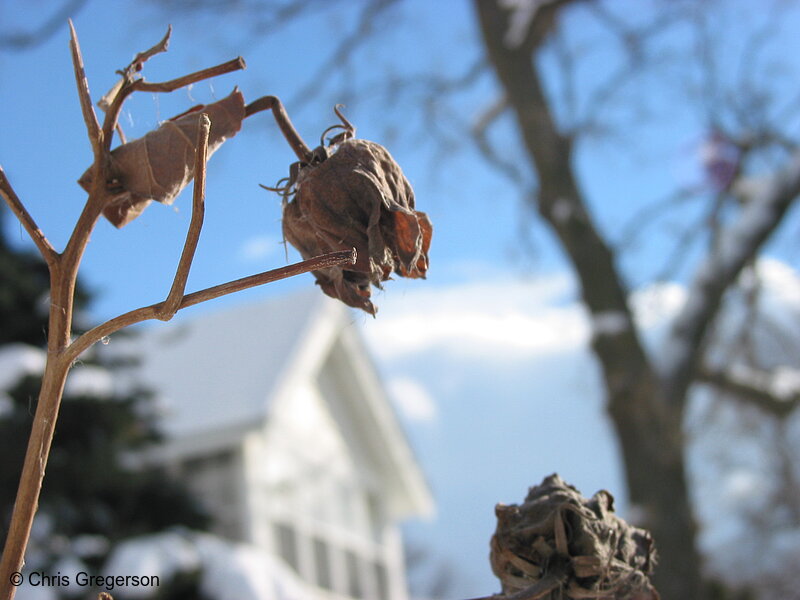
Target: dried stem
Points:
(134, 85)
(173, 84)
(301, 149)
(170, 305)
(37, 235)
(30, 483)
(143, 57)
(89, 116)
(324, 261)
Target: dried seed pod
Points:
(558, 544)
(160, 164)
(357, 197)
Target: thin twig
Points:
(89, 116)
(143, 57)
(300, 148)
(18, 208)
(324, 261)
(175, 295)
(755, 387)
(173, 84)
(112, 114)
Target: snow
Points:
(562, 210)
(160, 555)
(18, 360)
(70, 566)
(740, 485)
(609, 323)
(89, 380)
(785, 383)
(228, 571)
(88, 545)
(522, 15)
(30, 592)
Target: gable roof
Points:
(221, 370)
(217, 375)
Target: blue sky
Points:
(488, 356)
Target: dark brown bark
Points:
(650, 436)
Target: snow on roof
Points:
(221, 369)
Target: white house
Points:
(275, 416)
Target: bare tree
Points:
(646, 400)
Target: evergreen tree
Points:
(94, 495)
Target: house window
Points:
(354, 586)
(375, 514)
(322, 565)
(287, 545)
(381, 581)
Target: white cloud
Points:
(502, 319)
(258, 247)
(510, 319)
(412, 399)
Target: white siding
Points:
(311, 502)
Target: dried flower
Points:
(558, 544)
(160, 164)
(357, 197)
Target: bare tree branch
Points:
(737, 245)
(40, 34)
(754, 386)
(344, 49)
(480, 135)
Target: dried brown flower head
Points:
(558, 544)
(356, 196)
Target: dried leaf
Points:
(358, 198)
(159, 165)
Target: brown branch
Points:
(18, 208)
(143, 57)
(130, 86)
(480, 135)
(754, 386)
(324, 261)
(89, 116)
(300, 148)
(30, 482)
(170, 305)
(173, 84)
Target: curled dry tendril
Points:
(287, 186)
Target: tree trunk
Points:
(648, 426)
